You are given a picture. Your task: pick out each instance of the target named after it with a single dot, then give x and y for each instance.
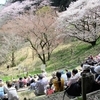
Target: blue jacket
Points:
(1, 91)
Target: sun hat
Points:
(97, 69)
(86, 67)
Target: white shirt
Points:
(64, 76)
(12, 93)
(73, 79)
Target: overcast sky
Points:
(2, 1)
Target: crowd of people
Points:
(59, 81)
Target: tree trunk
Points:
(44, 62)
(48, 56)
(42, 59)
(13, 59)
(32, 54)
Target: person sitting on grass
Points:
(75, 88)
(32, 85)
(1, 91)
(52, 78)
(12, 93)
(74, 78)
(49, 90)
(58, 82)
(21, 83)
(41, 85)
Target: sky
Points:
(2, 1)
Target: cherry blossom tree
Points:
(82, 20)
(19, 7)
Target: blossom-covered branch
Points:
(82, 20)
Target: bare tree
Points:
(82, 21)
(10, 43)
(43, 40)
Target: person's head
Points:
(86, 68)
(35, 76)
(32, 81)
(82, 65)
(20, 78)
(58, 74)
(9, 84)
(48, 86)
(74, 71)
(40, 76)
(68, 74)
(1, 84)
(0, 80)
(54, 74)
(43, 70)
(25, 77)
(14, 80)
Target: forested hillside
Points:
(43, 26)
(17, 7)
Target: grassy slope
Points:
(72, 55)
(68, 56)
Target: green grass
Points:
(64, 56)
(73, 56)
(5, 78)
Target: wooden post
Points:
(83, 86)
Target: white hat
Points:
(86, 66)
(97, 69)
